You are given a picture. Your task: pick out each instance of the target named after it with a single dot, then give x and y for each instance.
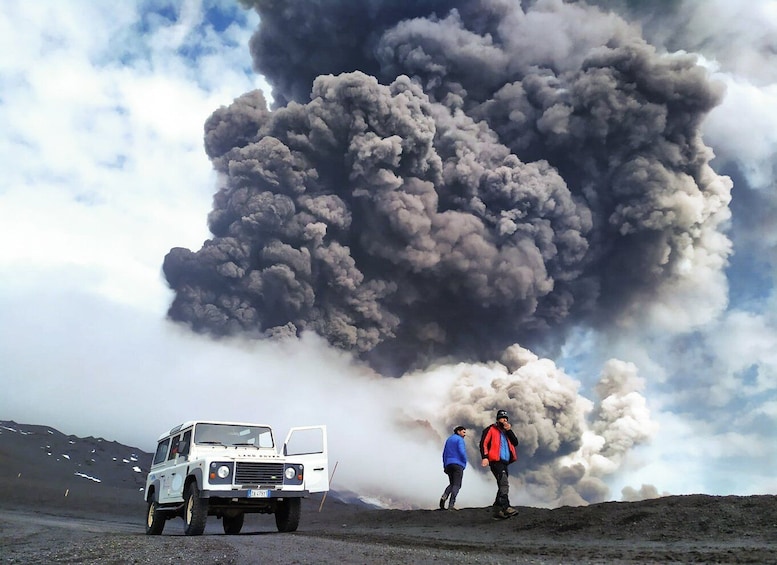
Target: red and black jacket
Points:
(490, 443)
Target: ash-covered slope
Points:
(43, 469)
(44, 453)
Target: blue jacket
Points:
(454, 451)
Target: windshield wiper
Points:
(210, 443)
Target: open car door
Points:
(308, 445)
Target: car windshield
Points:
(230, 434)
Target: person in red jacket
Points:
(497, 447)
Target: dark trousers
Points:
(499, 470)
(455, 474)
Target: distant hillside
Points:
(42, 467)
(42, 452)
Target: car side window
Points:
(185, 443)
(161, 451)
(174, 447)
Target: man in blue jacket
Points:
(454, 459)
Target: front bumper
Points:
(251, 494)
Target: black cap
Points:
(501, 414)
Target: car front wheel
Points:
(195, 512)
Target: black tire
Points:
(155, 521)
(195, 511)
(287, 515)
(233, 524)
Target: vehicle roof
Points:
(189, 423)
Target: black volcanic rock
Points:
(42, 452)
(40, 465)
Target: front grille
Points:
(259, 473)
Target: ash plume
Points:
(449, 178)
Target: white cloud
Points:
(691, 457)
(103, 161)
(744, 128)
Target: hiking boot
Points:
(452, 507)
(510, 511)
(500, 515)
(442, 503)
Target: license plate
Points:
(258, 493)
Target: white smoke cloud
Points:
(645, 492)
(744, 128)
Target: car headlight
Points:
(290, 472)
(223, 472)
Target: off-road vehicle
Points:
(230, 469)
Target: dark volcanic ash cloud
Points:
(446, 180)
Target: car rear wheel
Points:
(155, 521)
(195, 512)
(287, 515)
(233, 524)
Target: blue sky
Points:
(101, 112)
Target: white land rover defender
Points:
(229, 469)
